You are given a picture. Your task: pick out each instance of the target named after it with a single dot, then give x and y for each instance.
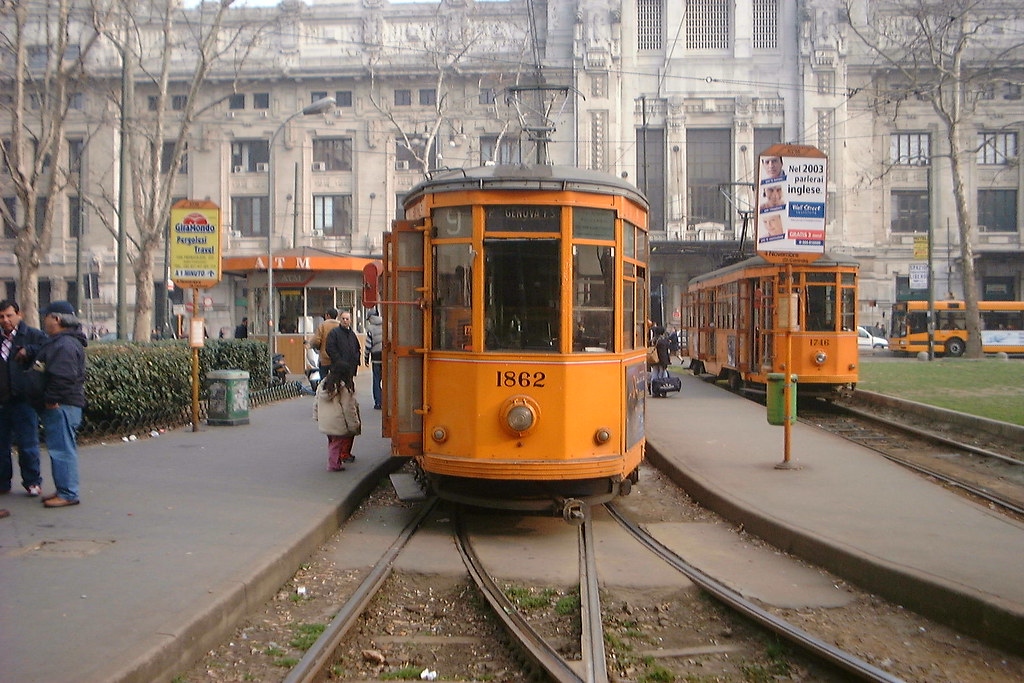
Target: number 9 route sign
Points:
(791, 203)
(195, 244)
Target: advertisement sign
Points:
(919, 276)
(791, 203)
(195, 244)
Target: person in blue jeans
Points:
(373, 348)
(61, 362)
(19, 423)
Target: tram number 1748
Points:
(511, 378)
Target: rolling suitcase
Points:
(660, 387)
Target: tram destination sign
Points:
(195, 244)
(790, 198)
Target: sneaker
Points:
(349, 458)
(34, 490)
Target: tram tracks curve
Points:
(542, 656)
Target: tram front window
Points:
(593, 300)
(521, 292)
(821, 308)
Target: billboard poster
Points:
(195, 244)
(791, 200)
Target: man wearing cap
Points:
(19, 423)
(61, 360)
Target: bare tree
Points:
(949, 54)
(447, 49)
(44, 47)
(169, 54)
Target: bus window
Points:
(918, 322)
(950, 320)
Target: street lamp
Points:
(318, 107)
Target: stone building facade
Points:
(678, 97)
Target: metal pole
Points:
(787, 388)
(931, 270)
(195, 363)
(320, 106)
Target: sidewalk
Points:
(846, 509)
(176, 537)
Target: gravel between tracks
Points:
(707, 642)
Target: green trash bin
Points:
(228, 397)
(777, 398)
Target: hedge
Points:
(131, 381)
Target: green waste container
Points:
(777, 398)
(229, 397)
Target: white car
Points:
(865, 340)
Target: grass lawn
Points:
(989, 388)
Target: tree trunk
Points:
(966, 231)
(143, 268)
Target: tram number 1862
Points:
(511, 378)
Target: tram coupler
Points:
(574, 511)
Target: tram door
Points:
(403, 350)
(764, 323)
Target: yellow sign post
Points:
(195, 262)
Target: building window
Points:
(178, 102)
(250, 215)
(343, 98)
(997, 210)
(486, 96)
(649, 29)
(317, 95)
(766, 24)
(708, 165)
(246, 154)
(76, 101)
(910, 211)
(165, 159)
(152, 102)
(74, 216)
(408, 157)
(428, 97)
(332, 154)
(37, 56)
(910, 149)
(236, 101)
(332, 215)
(707, 24)
(1012, 91)
(403, 98)
(76, 149)
(10, 217)
(765, 138)
(509, 152)
(261, 100)
(997, 148)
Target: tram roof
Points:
(522, 177)
(824, 261)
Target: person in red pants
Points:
(336, 411)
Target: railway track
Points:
(981, 471)
(541, 656)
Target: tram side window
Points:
(848, 311)
(821, 308)
(453, 297)
(521, 294)
(593, 297)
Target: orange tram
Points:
(735, 318)
(515, 302)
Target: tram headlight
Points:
(602, 436)
(439, 434)
(519, 414)
(820, 357)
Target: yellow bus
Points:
(1002, 327)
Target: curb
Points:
(966, 610)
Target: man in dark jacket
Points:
(343, 344)
(61, 360)
(19, 423)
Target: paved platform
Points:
(846, 508)
(178, 537)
